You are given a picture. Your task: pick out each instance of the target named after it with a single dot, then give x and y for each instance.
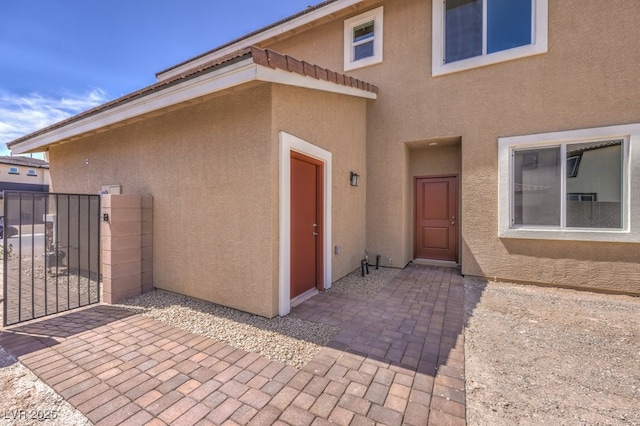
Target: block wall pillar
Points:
(127, 260)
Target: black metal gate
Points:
(51, 254)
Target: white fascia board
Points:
(260, 37)
(293, 79)
(229, 76)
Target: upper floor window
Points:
(363, 39)
(31, 172)
(572, 185)
(13, 171)
(474, 33)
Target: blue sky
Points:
(61, 57)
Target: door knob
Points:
(315, 233)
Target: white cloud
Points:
(21, 115)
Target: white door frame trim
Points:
(290, 143)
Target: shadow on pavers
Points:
(26, 338)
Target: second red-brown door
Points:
(436, 226)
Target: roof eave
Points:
(232, 75)
(228, 76)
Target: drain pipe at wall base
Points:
(364, 264)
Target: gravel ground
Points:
(551, 356)
(285, 339)
(24, 398)
(289, 340)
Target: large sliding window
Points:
(570, 185)
(573, 185)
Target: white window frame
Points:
(375, 15)
(32, 172)
(14, 171)
(630, 232)
(539, 41)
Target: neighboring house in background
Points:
(22, 174)
(501, 136)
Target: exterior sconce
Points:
(355, 179)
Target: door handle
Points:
(453, 223)
(315, 234)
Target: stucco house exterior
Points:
(499, 136)
(18, 173)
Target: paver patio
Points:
(397, 359)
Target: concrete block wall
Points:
(127, 258)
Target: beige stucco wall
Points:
(207, 167)
(588, 78)
(336, 123)
(213, 172)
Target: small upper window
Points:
(363, 39)
(13, 171)
(31, 172)
(473, 33)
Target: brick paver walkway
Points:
(398, 359)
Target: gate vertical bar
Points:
(5, 266)
(68, 250)
(98, 264)
(20, 257)
(33, 256)
(57, 245)
(78, 241)
(46, 260)
(89, 249)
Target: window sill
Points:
(484, 60)
(595, 235)
(362, 63)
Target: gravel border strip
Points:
(289, 340)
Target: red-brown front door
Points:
(436, 224)
(307, 177)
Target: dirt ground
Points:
(551, 356)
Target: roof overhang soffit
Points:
(233, 75)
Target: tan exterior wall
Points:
(442, 159)
(588, 78)
(207, 167)
(336, 123)
(213, 172)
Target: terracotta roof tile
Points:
(263, 57)
(295, 65)
(276, 60)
